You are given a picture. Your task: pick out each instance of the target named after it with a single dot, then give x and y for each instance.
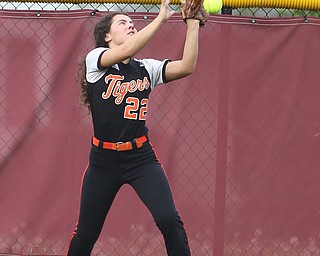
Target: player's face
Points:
(121, 29)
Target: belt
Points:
(120, 146)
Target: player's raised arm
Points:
(194, 14)
(184, 67)
(123, 39)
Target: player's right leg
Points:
(100, 185)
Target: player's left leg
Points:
(150, 182)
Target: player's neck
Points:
(126, 61)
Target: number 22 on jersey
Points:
(136, 109)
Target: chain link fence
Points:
(256, 12)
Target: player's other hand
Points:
(165, 13)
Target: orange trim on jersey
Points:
(76, 228)
(164, 170)
(155, 153)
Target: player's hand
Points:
(165, 13)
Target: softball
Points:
(212, 6)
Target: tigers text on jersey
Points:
(119, 95)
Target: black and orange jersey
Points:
(119, 95)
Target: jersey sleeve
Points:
(94, 72)
(156, 70)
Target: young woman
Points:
(116, 87)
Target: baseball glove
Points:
(193, 9)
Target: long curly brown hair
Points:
(100, 31)
(82, 81)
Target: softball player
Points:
(116, 89)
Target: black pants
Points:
(108, 170)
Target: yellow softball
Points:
(212, 6)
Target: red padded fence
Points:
(239, 138)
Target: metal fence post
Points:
(222, 141)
